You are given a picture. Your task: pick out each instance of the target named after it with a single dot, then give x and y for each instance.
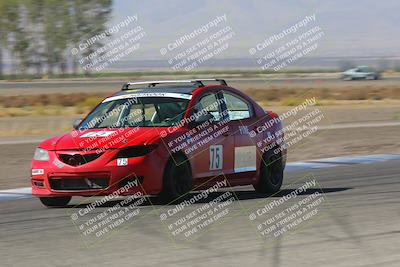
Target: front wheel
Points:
(271, 173)
(55, 201)
(177, 179)
(347, 78)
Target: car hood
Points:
(103, 138)
(349, 71)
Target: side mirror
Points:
(76, 123)
(201, 119)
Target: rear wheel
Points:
(271, 174)
(177, 179)
(55, 201)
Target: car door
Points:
(369, 73)
(213, 157)
(356, 73)
(241, 117)
(361, 73)
(364, 72)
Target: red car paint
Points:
(149, 167)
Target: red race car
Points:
(163, 138)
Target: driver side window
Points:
(210, 104)
(238, 109)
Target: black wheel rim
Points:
(274, 169)
(180, 178)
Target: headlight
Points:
(41, 155)
(135, 151)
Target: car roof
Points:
(170, 86)
(161, 89)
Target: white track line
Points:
(26, 192)
(16, 193)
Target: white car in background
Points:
(361, 72)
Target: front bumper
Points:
(99, 177)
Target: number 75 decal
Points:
(216, 156)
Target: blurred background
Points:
(37, 36)
(58, 59)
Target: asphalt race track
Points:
(62, 86)
(358, 225)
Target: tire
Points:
(55, 201)
(271, 174)
(177, 179)
(347, 78)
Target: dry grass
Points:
(41, 111)
(81, 103)
(64, 100)
(49, 104)
(357, 93)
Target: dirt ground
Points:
(327, 142)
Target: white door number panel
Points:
(245, 158)
(216, 156)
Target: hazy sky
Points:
(352, 28)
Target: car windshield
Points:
(136, 112)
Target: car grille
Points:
(78, 184)
(84, 181)
(78, 159)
